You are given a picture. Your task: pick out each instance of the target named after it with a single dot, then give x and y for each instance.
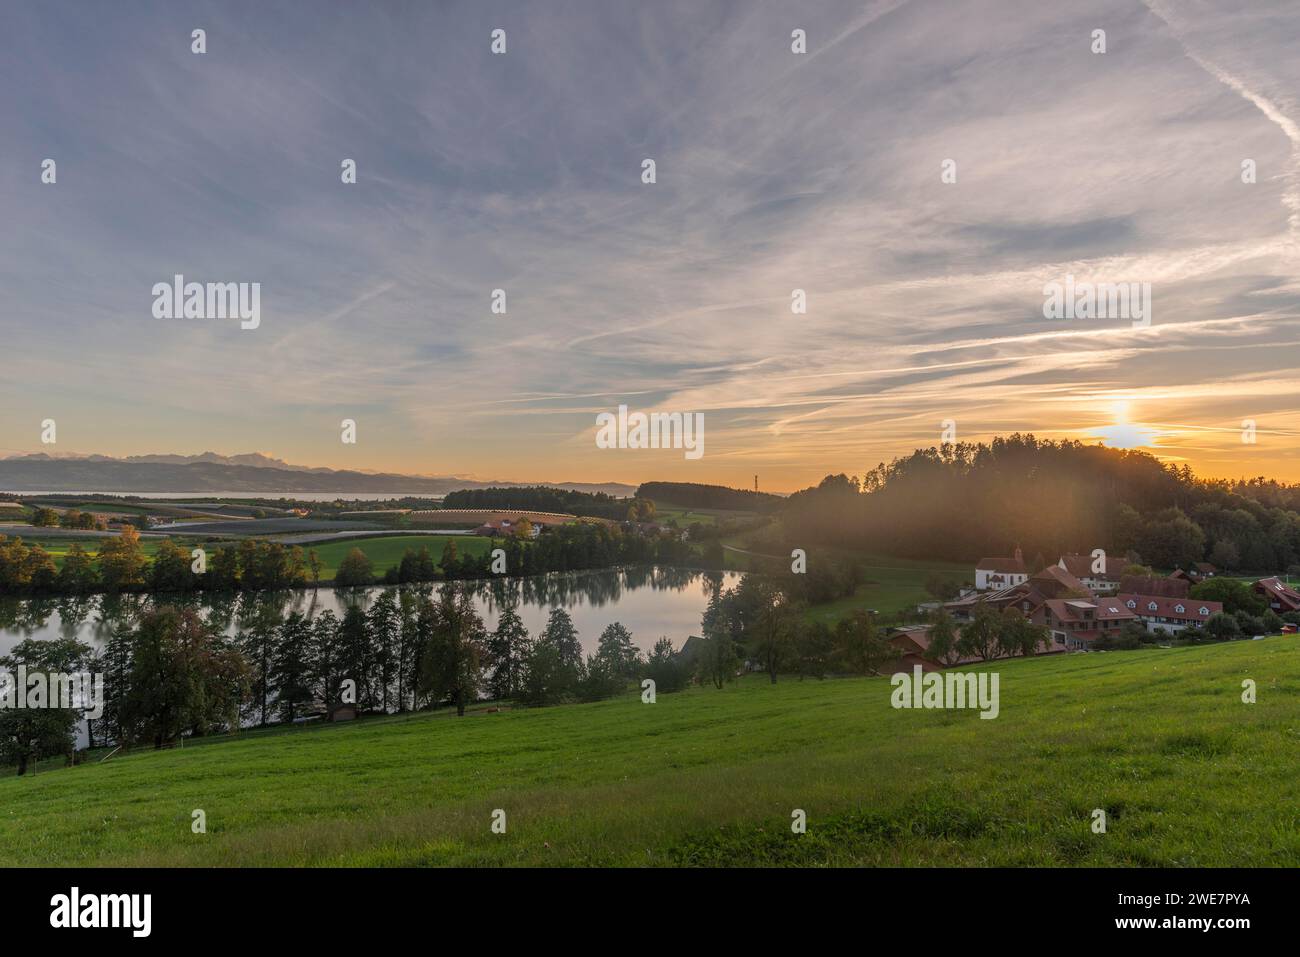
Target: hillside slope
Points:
(1188, 774)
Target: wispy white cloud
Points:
(522, 172)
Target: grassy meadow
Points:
(386, 551)
(892, 585)
(58, 547)
(683, 516)
(1160, 739)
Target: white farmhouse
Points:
(1001, 572)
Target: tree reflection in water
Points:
(650, 601)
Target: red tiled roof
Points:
(1110, 609)
(1073, 609)
(918, 636)
(1168, 607)
(1278, 590)
(1055, 581)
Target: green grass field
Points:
(58, 547)
(386, 551)
(893, 584)
(1160, 739)
(665, 511)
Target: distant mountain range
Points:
(210, 472)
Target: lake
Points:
(649, 602)
(268, 496)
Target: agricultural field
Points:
(664, 512)
(58, 547)
(385, 552)
(1187, 774)
(263, 527)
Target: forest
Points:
(964, 501)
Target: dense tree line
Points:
(696, 495)
(172, 674)
(540, 498)
(962, 502)
(71, 518)
(122, 566)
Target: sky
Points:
(774, 171)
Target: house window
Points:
(1151, 606)
(1131, 603)
(1204, 610)
(1179, 608)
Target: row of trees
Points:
(695, 495)
(410, 650)
(72, 518)
(122, 566)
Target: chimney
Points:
(1019, 556)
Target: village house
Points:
(1171, 614)
(507, 527)
(1102, 582)
(1075, 623)
(1028, 596)
(1196, 572)
(996, 573)
(913, 645)
(1280, 596)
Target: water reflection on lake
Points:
(650, 602)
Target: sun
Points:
(1124, 433)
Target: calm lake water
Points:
(650, 602)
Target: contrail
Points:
(1291, 195)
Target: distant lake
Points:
(209, 496)
(649, 602)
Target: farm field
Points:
(386, 552)
(262, 527)
(1188, 776)
(58, 547)
(664, 511)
